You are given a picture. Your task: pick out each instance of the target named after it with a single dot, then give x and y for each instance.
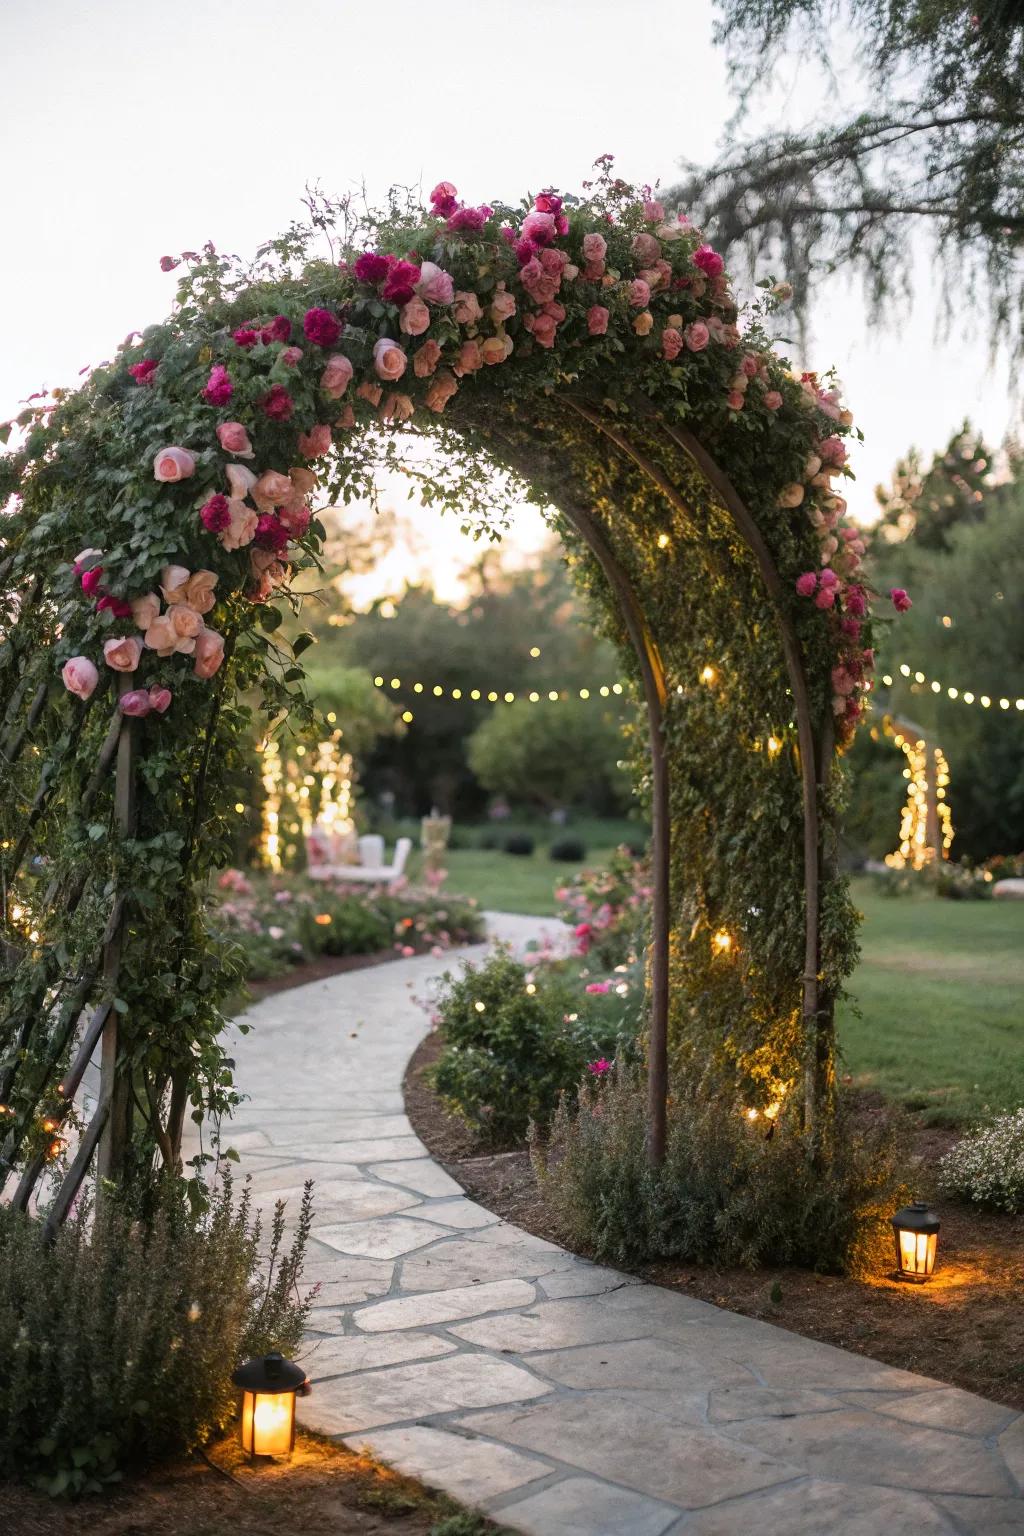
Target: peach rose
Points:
(425, 359)
(301, 481)
(145, 609)
(173, 580)
(370, 392)
(209, 653)
(161, 636)
(644, 323)
(122, 653)
(346, 419)
(467, 309)
(469, 358)
(503, 306)
(233, 438)
(791, 495)
(272, 487)
(242, 528)
(315, 443)
(337, 376)
(240, 481)
(396, 408)
(185, 622)
(80, 677)
(413, 318)
(172, 464)
(492, 350)
(199, 592)
(440, 391)
(389, 361)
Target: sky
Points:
(129, 130)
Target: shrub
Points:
(608, 909)
(117, 1342)
(727, 1193)
(510, 1053)
(987, 1166)
(568, 850)
(519, 843)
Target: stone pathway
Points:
(562, 1398)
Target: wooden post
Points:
(114, 1086)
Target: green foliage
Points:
(609, 909)
(516, 1039)
(987, 1166)
(117, 1342)
(731, 1191)
(567, 850)
(563, 753)
(520, 845)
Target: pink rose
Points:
(595, 248)
(442, 199)
(321, 327)
(277, 403)
(145, 609)
(173, 580)
(160, 699)
(539, 227)
(389, 361)
(135, 703)
(791, 495)
(80, 677)
(749, 365)
(828, 579)
(900, 600)
(773, 400)
(425, 359)
(172, 464)
(709, 261)
(185, 622)
(654, 212)
(272, 487)
(807, 584)
(597, 319)
(842, 681)
(160, 636)
(543, 327)
(503, 306)
(295, 516)
(832, 451)
(441, 389)
(122, 653)
(671, 343)
(469, 358)
(435, 285)
(413, 318)
(241, 527)
(336, 376)
(639, 293)
(219, 388)
(291, 357)
(315, 443)
(697, 336)
(467, 308)
(233, 438)
(735, 400)
(646, 248)
(825, 597)
(209, 653)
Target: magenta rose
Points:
(321, 327)
(277, 403)
(80, 677)
(279, 329)
(807, 584)
(215, 515)
(548, 202)
(468, 221)
(295, 516)
(245, 337)
(136, 703)
(90, 581)
(389, 361)
(539, 227)
(371, 268)
(442, 198)
(825, 597)
(401, 282)
(173, 464)
(271, 533)
(118, 606)
(435, 285)
(168, 263)
(143, 372)
(219, 388)
(543, 327)
(414, 318)
(709, 261)
(336, 376)
(233, 438)
(597, 320)
(900, 600)
(160, 699)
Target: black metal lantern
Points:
(917, 1238)
(269, 1386)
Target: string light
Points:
(509, 696)
(722, 942)
(965, 696)
(331, 767)
(926, 822)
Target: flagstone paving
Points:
(564, 1398)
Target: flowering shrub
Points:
(280, 922)
(987, 1166)
(608, 909)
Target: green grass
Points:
(940, 991)
(505, 882)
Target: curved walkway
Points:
(562, 1398)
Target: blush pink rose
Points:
(503, 306)
(315, 443)
(435, 285)
(240, 480)
(469, 358)
(145, 609)
(791, 495)
(441, 389)
(467, 308)
(654, 211)
(185, 622)
(773, 400)
(160, 636)
(833, 451)
(389, 360)
(136, 703)
(122, 653)
(272, 487)
(291, 356)
(539, 227)
(336, 376)
(671, 343)
(160, 700)
(595, 248)
(597, 319)
(413, 318)
(639, 293)
(80, 677)
(209, 653)
(233, 438)
(241, 529)
(697, 336)
(425, 359)
(295, 517)
(173, 464)
(646, 248)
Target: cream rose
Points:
(172, 464)
(389, 361)
(145, 609)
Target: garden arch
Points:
(593, 349)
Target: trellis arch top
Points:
(157, 516)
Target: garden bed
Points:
(965, 1327)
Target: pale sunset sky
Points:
(130, 129)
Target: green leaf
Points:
(270, 619)
(302, 643)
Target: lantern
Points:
(266, 1416)
(917, 1237)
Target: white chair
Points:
(365, 873)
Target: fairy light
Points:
(774, 746)
(708, 675)
(926, 821)
(721, 942)
(952, 691)
(509, 696)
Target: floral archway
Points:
(157, 519)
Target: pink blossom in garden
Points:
(639, 293)
(646, 248)
(542, 326)
(539, 227)
(321, 327)
(315, 443)
(277, 403)
(900, 600)
(233, 438)
(209, 653)
(336, 376)
(291, 357)
(371, 268)
(595, 247)
(583, 934)
(468, 221)
(173, 464)
(136, 703)
(654, 212)
(807, 584)
(442, 198)
(791, 495)
(492, 350)
(467, 309)
(272, 487)
(709, 261)
(597, 319)
(296, 517)
(118, 606)
(825, 597)
(279, 329)
(855, 602)
(832, 451)
(598, 987)
(548, 202)
(435, 285)
(219, 388)
(90, 581)
(271, 533)
(440, 390)
(80, 677)
(851, 628)
(143, 372)
(245, 337)
(772, 399)
(426, 358)
(735, 400)
(241, 528)
(400, 283)
(122, 653)
(503, 305)
(828, 578)
(389, 360)
(697, 336)
(160, 699)
(168, 263)
(599, 1068)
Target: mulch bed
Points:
(325, 1490)
(966, 1326)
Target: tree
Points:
(940, 148)
(552, 754)
(925, 505)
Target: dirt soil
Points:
(325, 1490)
(965, 1326)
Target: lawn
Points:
(940, 994)
(506, 882)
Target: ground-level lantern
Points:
(916, 1228)
(268, 1386)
